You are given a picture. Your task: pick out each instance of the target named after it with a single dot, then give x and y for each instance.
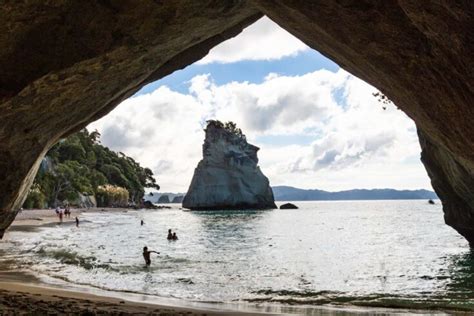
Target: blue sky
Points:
(253, 71)
(317, 125)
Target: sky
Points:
(317, 125)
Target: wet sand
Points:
(25, 299)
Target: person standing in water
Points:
(77, 221)
(170, 235)
(174, 236)
(142, 222)
(146, 255)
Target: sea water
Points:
(365, 253)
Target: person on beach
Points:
(170, 235)
(175, 237)
(77, 222)
(146, 255)
(60, 216)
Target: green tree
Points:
(81, 165)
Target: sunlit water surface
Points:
(370, 253)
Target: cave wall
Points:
(67, 63)
(64, 64)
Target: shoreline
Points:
(24, 291)
(30, 220)
(32, 296)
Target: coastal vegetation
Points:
(229, 126)
(81, 166)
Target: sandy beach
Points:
(29, 220)
(26, 299)
(23, 294)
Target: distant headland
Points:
(288, 193)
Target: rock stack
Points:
(228, 176)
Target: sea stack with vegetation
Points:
(82, 172)
(228, 176)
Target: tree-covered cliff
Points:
(79, 164)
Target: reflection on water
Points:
(225, 229)
(460, 275)
(363, 253)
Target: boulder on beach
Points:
(228, 176)
(288, 206)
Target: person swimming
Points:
(146, 255)
(174, 237)
(170, 235)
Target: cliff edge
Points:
(228, 176)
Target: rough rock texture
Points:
(85, 201)
(66, 63)
(421, 55)
(228, 176)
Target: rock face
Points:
(85, 201)
(178, 199)
(164, 199)
(64, 64)
(228, 176)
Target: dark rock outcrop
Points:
(149, 205)
(65, 64)
(288, 206)
(164, 199)
(178, 199)
(228, 176)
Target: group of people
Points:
(171, 236)
(147, 253)
(65, 214)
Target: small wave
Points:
(185, 280)
(293, 297)
(169, 259)
(72, 258)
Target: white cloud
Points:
(263, 40)
(356, 142)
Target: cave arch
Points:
(68, 64)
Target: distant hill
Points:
(156, 196)
(286, 193)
